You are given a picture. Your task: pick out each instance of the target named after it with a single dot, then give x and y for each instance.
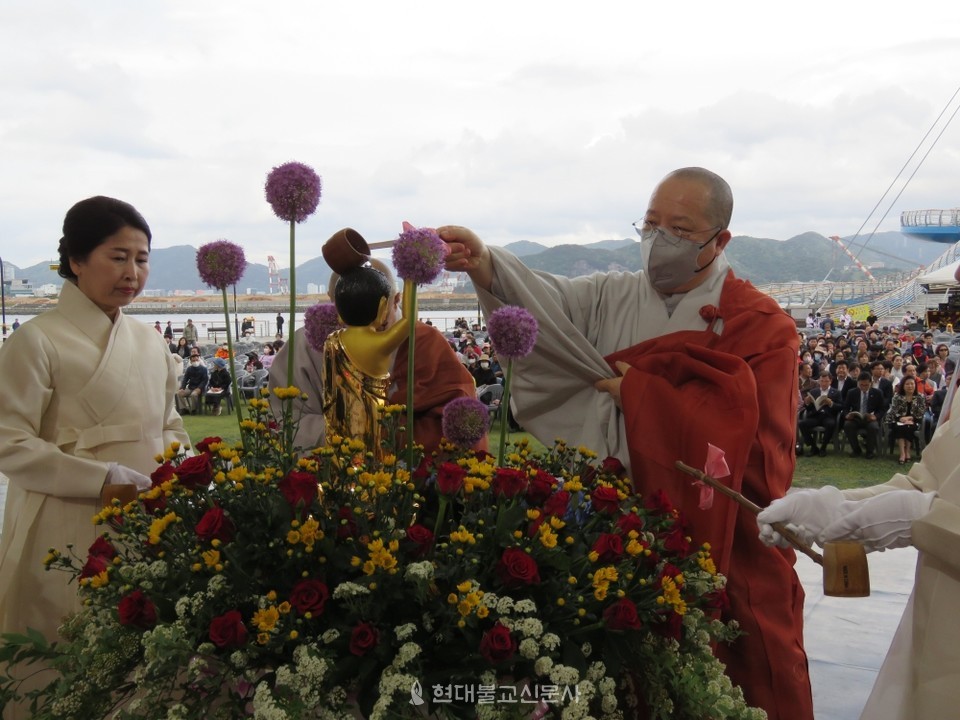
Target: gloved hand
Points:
(122, 475)
(804, 512)
(880, 522)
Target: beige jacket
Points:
(79, 391)
(919, 677)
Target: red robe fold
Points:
(439, 377)
(736, 391)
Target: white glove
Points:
(122, 475)
(880, 522)
(804, 512)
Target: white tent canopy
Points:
(943, 276)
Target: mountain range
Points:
(806, 257)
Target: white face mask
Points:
(484, 365)
(670, 261)
(194, 361)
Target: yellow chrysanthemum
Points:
(267, 618)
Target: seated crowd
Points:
(882, 383)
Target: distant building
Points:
(47, 290)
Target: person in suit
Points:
(862, 410)
(842, 380)
(820, 414)
(883, 384)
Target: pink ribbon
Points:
(716, 467)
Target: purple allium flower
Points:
(293, 191)
(418, 254)
(465, 421)
(513, 331)
(221, 263)
(319, 321)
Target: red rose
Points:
(162, 474)
(137, 610)
(228, 631)
(94, 566)
(540, 487)
(204, 445)
(612, 466)
(629, 522)
(102, 548)
(497, 644)
(299, 487)
(509, 482)
(557, 503)
(669, 570)
(215, 525)
(196, 471)
(363, 639)
(609, 547)
(676, 541)
(450, 478)
(622, 615)
(421, 537)
(718, 599)
(309, 596)
(605, 500)
(658, 501)
(517, 568)
(672, 627)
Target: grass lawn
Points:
(835, 469)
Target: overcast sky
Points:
(545, 121)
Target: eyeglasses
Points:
(648, 230)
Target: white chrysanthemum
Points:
(542, 665)
(564, 675)
(406, 653)
(238, 659)
(216, 584)
(525, 606)
(182, 607)
(504, 605)
(529, 627)
(158, 569)
(551, 641)
(586, 649)
(422, 570)
(608, 704)
(265, 705)
(596, 671)
(330, 635)
(390, 685)
(529, 648)
(349, 590)
(405, 631)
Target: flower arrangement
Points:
(222, 263)
(255, 581)
(513, 331)
(293, 191)
(418, 255)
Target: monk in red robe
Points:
(652, 366)
(439, 377)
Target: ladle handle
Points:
(784, 531)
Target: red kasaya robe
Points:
(736, 391)
(439, 377)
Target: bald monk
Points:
(652, 366)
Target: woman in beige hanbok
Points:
(88, 402)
